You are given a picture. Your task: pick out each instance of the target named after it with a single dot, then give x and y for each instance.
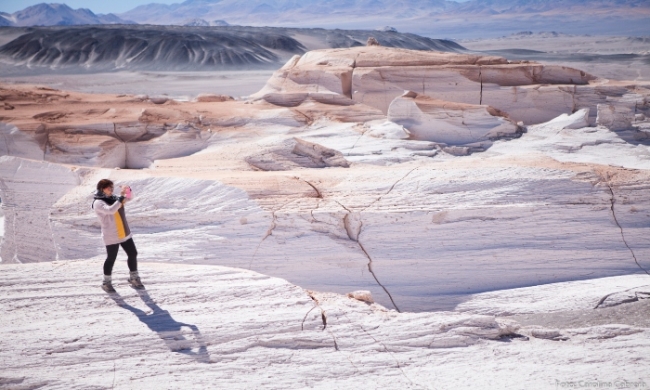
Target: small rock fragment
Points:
(547, 334)
(362, 295)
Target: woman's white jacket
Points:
(115, 229)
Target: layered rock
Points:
(375, 76)
(120, 131)
(461, 100)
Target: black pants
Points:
(111, 251)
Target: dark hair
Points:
(103, 184)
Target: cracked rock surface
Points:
(195, 325)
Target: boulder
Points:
(306, 75)
(320, 154)
(159, 99)
(546, 334)
(296, 153)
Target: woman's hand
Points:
(123, 192)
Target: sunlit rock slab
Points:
(194, 326)
(586, 295)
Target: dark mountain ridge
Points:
(122, 47)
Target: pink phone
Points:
(128, 193)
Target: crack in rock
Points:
(318, 193)
(323, 317)
(302, 325)
(635, 299)
(607, 181)
(390, 189)
(375, 276)
(269, 232)
(480, 76)
(613, 201)
(354, 233)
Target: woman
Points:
(115, 232)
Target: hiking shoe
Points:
(134, 280)
(108, 287)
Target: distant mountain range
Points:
(57, 15)
(416, 16)
(425, 17)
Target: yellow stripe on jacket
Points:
(120, 226)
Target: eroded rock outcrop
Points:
(429, 119)
(120, 131)
(459, 103)
(375, 76)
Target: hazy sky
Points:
(97, 6)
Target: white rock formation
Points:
(375, 76)
(216, 321)
(547, 232)
(386, 129)
(26, 207)
(577, 120)
(440, 121)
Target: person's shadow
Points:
(168, 329)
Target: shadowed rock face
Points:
(186, 48)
